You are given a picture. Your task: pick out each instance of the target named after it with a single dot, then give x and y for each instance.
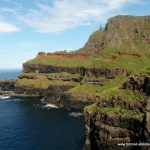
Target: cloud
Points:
(62, 15)
(7, 27)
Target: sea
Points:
(27, 124)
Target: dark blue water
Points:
(25, 124)
(9, 74)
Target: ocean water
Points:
(9, 74)
(27, 124)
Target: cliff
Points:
(109, 75)
(122, 33)
(120, 116)
(123, 43)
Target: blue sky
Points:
(29, 26)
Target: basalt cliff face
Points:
(115, 123)
(109, 77)
(124, 33)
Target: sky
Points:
(30, 26)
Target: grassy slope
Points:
(91, 90)
(41, 80)
(130, 42)
(50, 75)
(122, 34)
(132, 64)
(124, 112)
(61, 61)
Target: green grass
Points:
(120, 36)
(91, 108)
(107, 91)
(28, 75)
(103, 59)
(91, 78)
(60, 75)
(126, 94)
(111, 110)
(61, 61)
(131, 64)
(92, 90)
(64, 75)
(41, 81)
(97, 35)
(124, 112)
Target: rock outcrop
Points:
(118, 124)
(107, 72)
(101, 75)
(7, 85)
(138, 84)
(123, 33)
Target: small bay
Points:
(26, 124)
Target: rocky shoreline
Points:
(109, 78)
(57, 95)
(13, 94)
(106, 129)
(127, 122)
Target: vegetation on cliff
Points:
(93, 71)
(93, 90)
(43, 81)
(123, 43)
(61, 61)
(111, 72)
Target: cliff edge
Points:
(109, 77)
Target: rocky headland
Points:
(109, 78)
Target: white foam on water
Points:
(16, 99)
(4, 97)
(50, 106)
(6, 100)
(76, 114)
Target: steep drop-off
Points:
(110, 75)
(121, 117)
(122, 33)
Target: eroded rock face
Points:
(146, 121)
(65, 100)
(106, 131)
(29, 91)
(7, 85)
(108, 73)
(39, 68)
(137, 84)
(111, 130)
(61, 96)
(103, 130)
(121, 32)
(148, 114)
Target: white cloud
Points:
(66, 14)
(7, 27)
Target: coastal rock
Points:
(7, 85)
(140, 83)
(107, 127)
(108, 73)
(110, 52)
(121, 32)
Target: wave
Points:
(4, 97)
(50, 106)
(76, 114)
(17, 99)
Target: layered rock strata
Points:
(118, 124)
